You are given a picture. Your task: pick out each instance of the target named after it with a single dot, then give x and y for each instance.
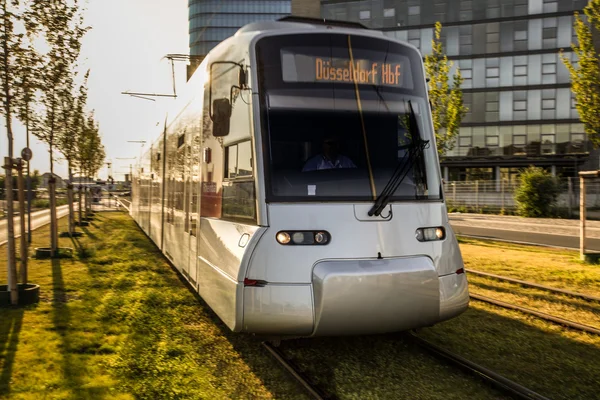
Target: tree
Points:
(63, 31)
(446, 102)
(72, 122)
(537, 193)
(14, 24)
(585, 75)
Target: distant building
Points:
(60, 183)
(521, 109)
(212, 21)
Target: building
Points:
(60, 183)
(212, 21)
(521, 109)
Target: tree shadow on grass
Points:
(89, 233)
(72, 346)
(10, 327)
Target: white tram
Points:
(298, 189)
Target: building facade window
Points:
(389, 12)
(365, 14)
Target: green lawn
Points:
(554, 361)
(552, 267)
(116, 322)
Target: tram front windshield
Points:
(335, 117)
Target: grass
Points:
(555, 268)
(382, 367)
(116, 322)
(553, 361)
(556, 362)
(552, 267)
(570, 308)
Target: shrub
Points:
(537, 193)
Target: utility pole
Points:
(130, 168)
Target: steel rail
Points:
(314, 391)
(535, 285)
(121, 201)
(548, 317)
(488, 375)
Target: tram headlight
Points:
(430, 234)
(321, 237)
(283, 237)
(303, 237)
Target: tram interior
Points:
(297, 136)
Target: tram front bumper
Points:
(348, 297)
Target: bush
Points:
(537, 193)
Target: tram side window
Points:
(239, 198)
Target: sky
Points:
(124, 51)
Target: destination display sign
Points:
(375, 73)
(380, 69)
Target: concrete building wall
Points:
(306, 8)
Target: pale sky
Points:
(124, 51)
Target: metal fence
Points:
(499, 195)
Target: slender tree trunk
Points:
(52, 190)
(70, 200)
(12, 262)
(53, 230)
(53, 220)
(23, 272)
(80, 208)
(8, 164)
(29, 196)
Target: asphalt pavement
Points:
(543, 231)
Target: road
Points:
(38, 219)
(551, 232)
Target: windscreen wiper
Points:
(415, 150)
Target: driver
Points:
(329, 158)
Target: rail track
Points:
(315, 391)
(539, 314)
(535, 285)
(547, 317)
(496, 380)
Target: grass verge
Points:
(554, 361)
(546, 358)
(552, 267)
(116, 322)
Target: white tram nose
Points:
(349, 297)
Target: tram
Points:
(296, 185)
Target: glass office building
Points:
(521, 109)
(212, 21)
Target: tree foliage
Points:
(447, 105)
(15, 52)
(63, 30)
(585, 74)
(73, 123)
(91, 153)
(537, 193)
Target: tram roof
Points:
(302, 23)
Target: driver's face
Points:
(331, 148)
